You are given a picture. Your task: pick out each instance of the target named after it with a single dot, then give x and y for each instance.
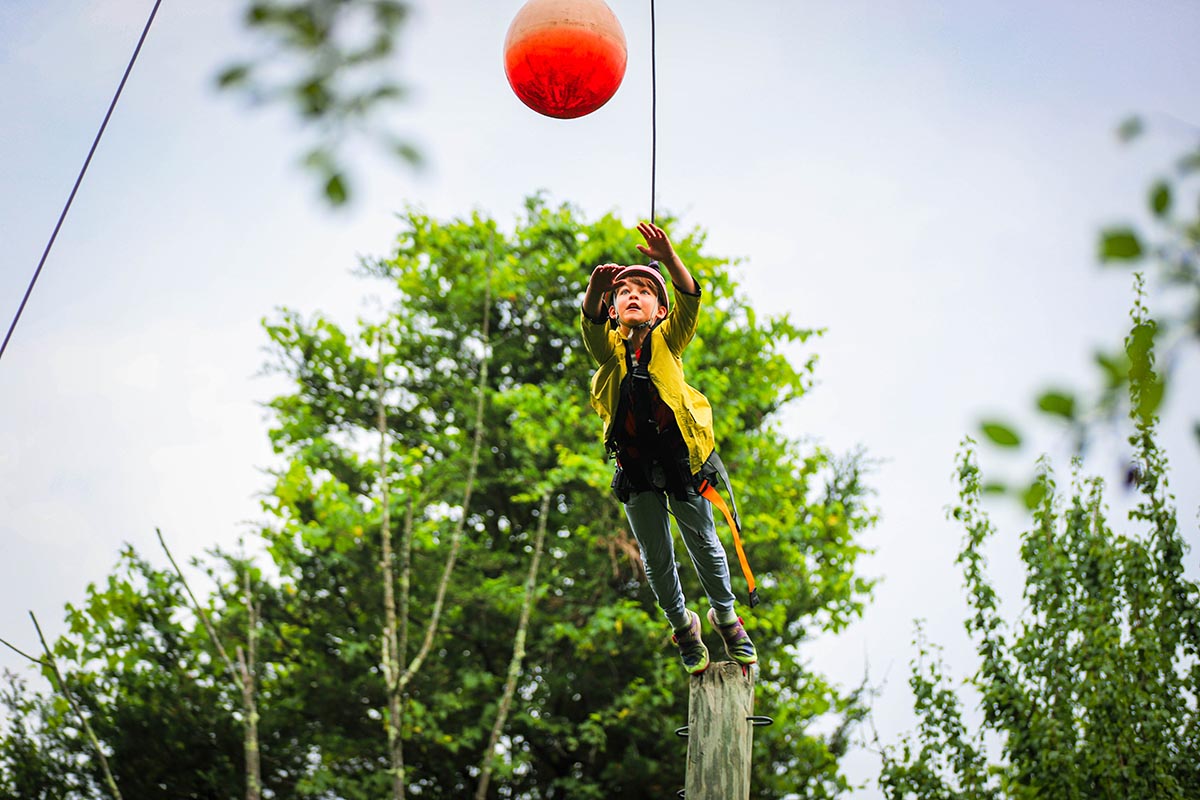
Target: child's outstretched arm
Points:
(659, 248)
(600, 282)
(595, 335)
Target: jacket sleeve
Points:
(596, 339)
(680, 324)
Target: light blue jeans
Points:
(647, 514)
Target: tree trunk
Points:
(391, 644)
(518, 655)
(402, 654)
(247, 662)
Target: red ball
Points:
(565, 58)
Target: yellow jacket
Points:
(691, 408)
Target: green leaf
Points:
(1001, 434)
(1147, 386)
(1130, 128)
(1034, 495)
(994, 487)
(1139, 347)
(335, 189)
(1150, 397)
(1160, 199)
(1060, 404)
(258, 13)
(407, 152)
(390, 13)
(313, 97)
(1116, 368)
(1120, 244)
(234, 75)
(1189, 163)
(318, 159)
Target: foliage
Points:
(1171, 254)
(329, 61)
(146, 681)
(1093, 693)
(602, 688)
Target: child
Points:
(660, 430)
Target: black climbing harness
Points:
(662, 463)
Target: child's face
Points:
(635, 301)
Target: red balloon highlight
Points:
(565, 58)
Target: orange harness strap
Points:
(709, 492)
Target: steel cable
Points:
(79, 179)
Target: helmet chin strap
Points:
(641, 326)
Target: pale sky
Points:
(925, 180)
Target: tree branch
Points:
(22, 653)
(518, 654)
(212, 634)
(62, 687)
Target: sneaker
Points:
(737, 641)
(691, 645)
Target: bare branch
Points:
(212, 634)
(62, 688)
(22, 653)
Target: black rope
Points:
(653, 115)
(79, 179)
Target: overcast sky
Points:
(924, 180)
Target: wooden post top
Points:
(720, 704)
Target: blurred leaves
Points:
(332, 62)
(1130, 128)
(1167, 251)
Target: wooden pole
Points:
(719, 734)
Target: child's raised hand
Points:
(657, 245)
(603, 275)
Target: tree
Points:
(145, 680)
(1093, 691)
(599, 690)
(596, 687)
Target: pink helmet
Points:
(649, 272)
